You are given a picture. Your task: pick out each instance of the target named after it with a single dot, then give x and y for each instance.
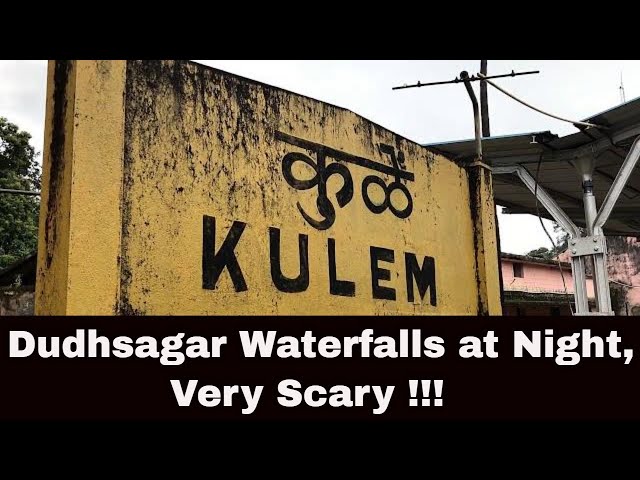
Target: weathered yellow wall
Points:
(486, 242)
(79, 243)
(158, 145)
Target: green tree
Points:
(561, 244)
(18, 213)
(542, 252)
(562, 238)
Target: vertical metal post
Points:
(577, 263)
(476, 113)
(600, 273)
(484, 101)
(580, 285)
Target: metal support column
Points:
(594, 244)
(476, 114)
(577, 262)
(597, 248)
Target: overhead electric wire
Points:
(586, 124)
(486, 79)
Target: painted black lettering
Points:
(385, 255)
(324, 170)
(282, 283)
(424, 276)
(213, 263)
(343, 288)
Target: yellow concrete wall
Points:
(156, 146)
(80, 216)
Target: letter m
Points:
(424, 276)
(213, 263)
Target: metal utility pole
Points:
(476, 114)
(484, 102)
(481, 124)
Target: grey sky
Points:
(572, 89)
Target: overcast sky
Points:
(571, 89)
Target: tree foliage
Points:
(542, 252)
(561, 244)
(19, 170)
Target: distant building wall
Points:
(16, 301)
(534, 286)
(624, 266)
(539, 278)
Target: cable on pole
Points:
(586, 124)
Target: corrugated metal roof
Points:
(557, 175)
(496, 147)
(616, 114)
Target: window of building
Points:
(518, 270)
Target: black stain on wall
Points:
(476, 176)
(61, 90)
(161, 92)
